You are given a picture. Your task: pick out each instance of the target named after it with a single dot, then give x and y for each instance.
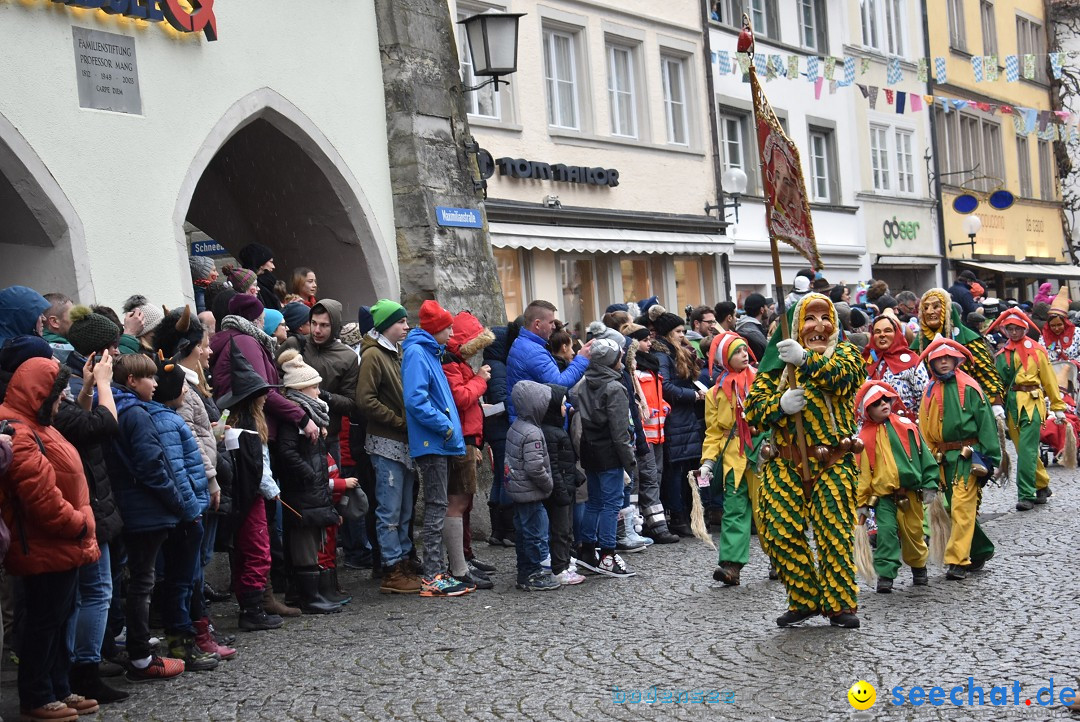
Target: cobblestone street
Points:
(504, 654)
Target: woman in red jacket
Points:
(46, 505)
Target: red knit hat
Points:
(434, 318)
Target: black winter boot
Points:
(311, 601)
(680, 524)
(328, 587)
(509, 536)
(86, 681)
(253, 617)
(495, 514)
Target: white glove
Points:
(791, 352)
(999, 411)
(1059, 417)
(793, 401)
(705, 473)
(928, 496)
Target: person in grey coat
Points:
(527, 481)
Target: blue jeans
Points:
(93, 595)
(602, 510)
(394, 490)
(210, 525)
(498, 496)
(579, 515)
(532, 529)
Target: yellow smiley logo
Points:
(862, 695)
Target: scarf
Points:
(647, 361)
(241, 324)
(317, 409)
(202, 282)
(875, 438)
(897, 358)
(1064, 339)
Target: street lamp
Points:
(972, 225)
(733, 183)
(493, 45)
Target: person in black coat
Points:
(566, 476)
(500, 507)
(961, 293)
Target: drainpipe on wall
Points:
(714, 135)
(933, 145)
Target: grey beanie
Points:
(201, 267)
(605, 352)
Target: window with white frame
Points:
(813, 26)
(905, 161)
(1031, 40)
(1023, 162)
(989, 27)
(972, 145)
(673, 75)
(957, 33)
(879, 157)
(1046, 171)
(621, 90)
(485, 102)
(738, 147)
(560, 74)
(883, 25)
(822, 166)
(763, 15)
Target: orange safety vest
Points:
(652, 387)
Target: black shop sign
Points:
(556, 172)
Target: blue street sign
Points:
(208, 248)
(459, 217)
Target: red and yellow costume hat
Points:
(873, 391)
(870, 393)
(942, 346)
(1013, 317)
(1026, 348)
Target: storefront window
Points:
(578, 305)
(508, 263)
(636, 283)
(688, 283)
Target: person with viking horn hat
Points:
(937, 316)
(889, 358)
(956, 421)
(896, 474)
(816, 374)
(1060, 339)
(728, 444)
(1029, 379)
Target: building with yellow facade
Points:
(988, 144)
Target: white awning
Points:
(1027, 270)
(908, 261)
(577, 239)
(834, 257)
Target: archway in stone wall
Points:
(41, 237)
(267, 174)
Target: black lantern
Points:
(493, 44)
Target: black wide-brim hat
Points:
(246, 382)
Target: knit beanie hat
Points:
(201, 267)
(254, 255)
(245, 306)
(241, 279)
(171, 379)
(296, 315)
(296, 374)
(91, 332)
(271, 320)
(364, 320)
(667, 322)
(605, 352)
(22, 348)
(634, 331)
(434, 318)
(597, 329)
(152, 314)
(385, 313)
(351, 335)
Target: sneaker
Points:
(478, 573)
(626, 544)
(183, 647)
(847, 620)
(539, 582)
(956, 572)
(159, 668)
(611, 565)
(482, 566)
(587, 559)
(546, 563)
(442, 585)
(794, 616)
(569, 578)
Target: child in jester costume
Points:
(1029, 381)
(956, 422)
(725, 455)
(820, 383)
(938, 317)
(897, 474)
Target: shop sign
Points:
(458, 217)
(895, 230)
(208, 248)
(557, 172)
(199, 19)
(106, 72)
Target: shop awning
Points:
(907, 261)
(575, 239)
(1026, 270)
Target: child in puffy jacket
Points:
(566, 478)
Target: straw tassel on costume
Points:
(1003, 472)
(864, 555)
(940, 530)
(1070, 446)
(697, 512)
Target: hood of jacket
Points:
(420, 337)
(20, 309)
(531, 400)
(378, 341)
(596, 377)
(31, 386)
(469, 337)
(333, 309)
(554, 415)
(498, 348)
(124, 398)
(743, 321)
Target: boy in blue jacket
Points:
(434, 434)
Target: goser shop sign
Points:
(898, 230)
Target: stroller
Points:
(1053, 435)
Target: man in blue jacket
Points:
(434, 434)
(530, 359)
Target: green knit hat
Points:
(385, 313)
(90, 332)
